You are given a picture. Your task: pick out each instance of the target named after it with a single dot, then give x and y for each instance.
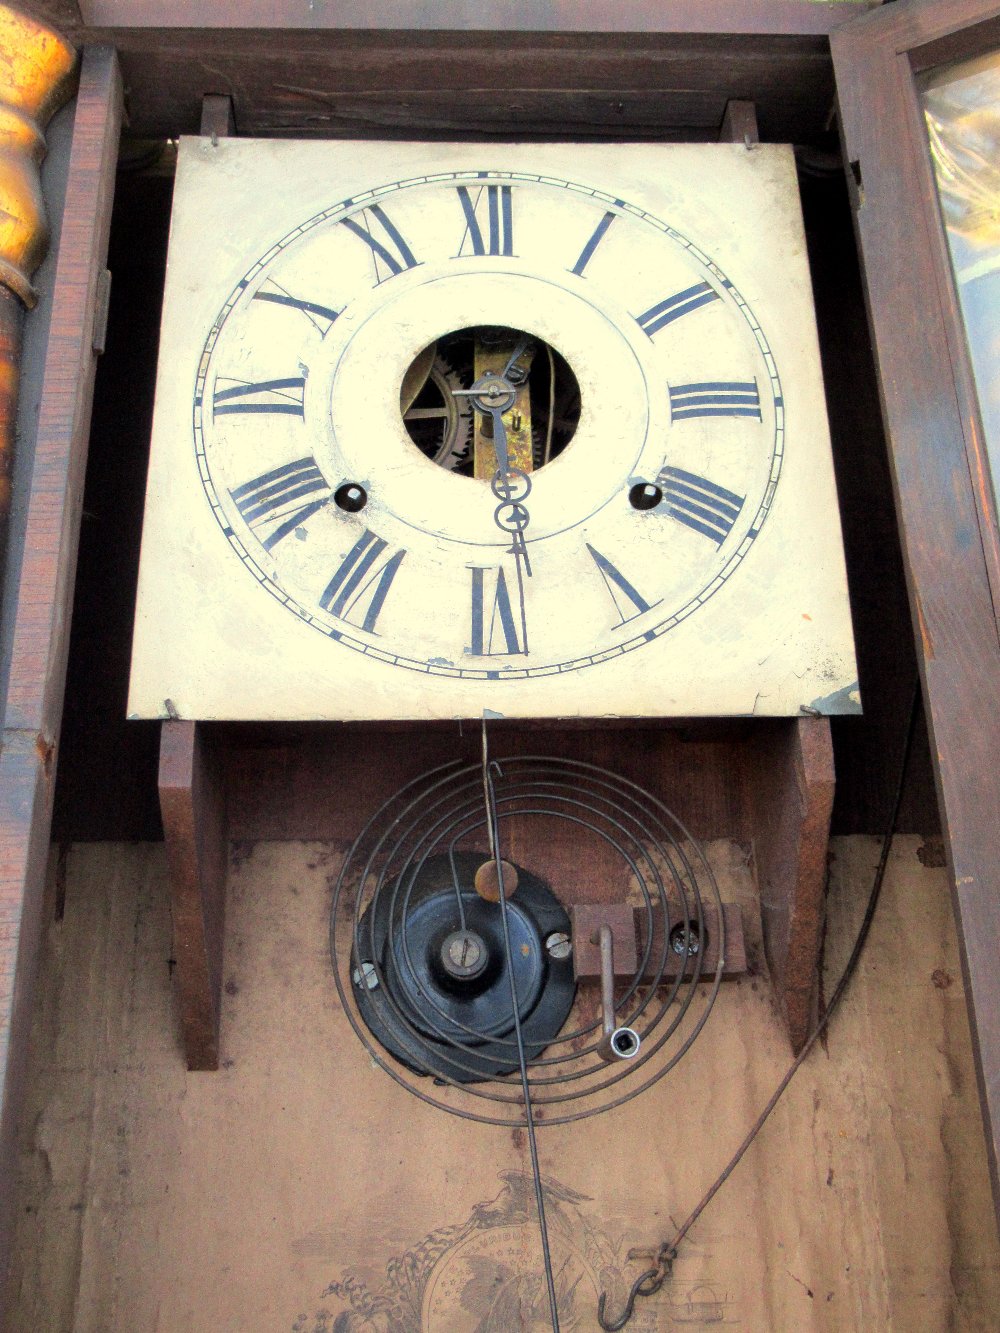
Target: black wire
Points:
(668, 1252)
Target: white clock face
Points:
(329, 491)
(655, 503)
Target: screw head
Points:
(685, 940)
(625, 1043)
(558, 945)
(464, 954)
(365, 977)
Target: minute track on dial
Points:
(592, 539)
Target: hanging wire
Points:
(649, 1282)
(489, 794)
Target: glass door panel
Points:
(961, 106)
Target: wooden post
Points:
(193, 805)
(42, 618)
(790, 792)
(739, 124)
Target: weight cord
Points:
(649, 1282)
(493, 829)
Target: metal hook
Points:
(646, 1284)
(651, 1275)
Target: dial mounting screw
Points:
(685, 939)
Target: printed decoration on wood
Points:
(450, 430)
(484, 1273)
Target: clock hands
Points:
(492, 395)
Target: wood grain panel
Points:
(927, 417)
(325, 780)
(28, 759)
(490, 16)
(63, 15)
(356, 83)
(233, 1201)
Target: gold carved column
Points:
(36, 78)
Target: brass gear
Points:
(438, 423)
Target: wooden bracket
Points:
(218, 120)
(790, 797)
(739, 124)
(629, 928)
(193, 805)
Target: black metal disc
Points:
(431, 977)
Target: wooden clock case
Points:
(687, 71)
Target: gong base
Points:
(432, 973)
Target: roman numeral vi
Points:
(495, 632)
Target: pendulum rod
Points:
(493, 829)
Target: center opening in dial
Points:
(528, 378)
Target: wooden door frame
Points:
(947, 521)
(30, 740)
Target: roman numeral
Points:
(391, 251)
(699, 503)
(717, 398)
(587, 252)
(278, 500)
(277, 397)
(626, 597)
(358, 590)
(658, 316)
(499, 239)
(495, 632)
(321, 317)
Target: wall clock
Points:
(447, 431)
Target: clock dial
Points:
(298, 395)
(487, 422)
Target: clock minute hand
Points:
(492, 395)
(504, 482)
